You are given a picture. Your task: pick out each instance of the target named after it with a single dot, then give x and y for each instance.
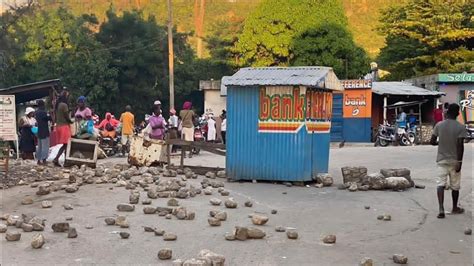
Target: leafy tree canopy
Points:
(425, 37)
(330, 45)
(269, 31)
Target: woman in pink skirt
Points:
(63, 122)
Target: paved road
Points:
(414, 230)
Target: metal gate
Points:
(337, 121)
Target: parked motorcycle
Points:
(389, 134)
(470, 131)
(110, 146)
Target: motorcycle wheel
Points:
(383, 142)
(412, 137)
(404, 141)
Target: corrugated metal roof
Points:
(311, 76)
(401, 88)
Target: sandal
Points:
(458, 210)
(441, 215)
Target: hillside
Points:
(362, 15)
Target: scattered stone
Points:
(164, 194)
(230, 203)
(146, 202)
(214, 221)
(248, 203)
(159, 232)
(27, 227)
(211, 175)
(225, 193)
(329, 239)
(380, 217)
(207, 191)
(387, 217)
(215, 201)
(177, 262)
(363, 188)
(319, 185)
(152, 194)
(173, 202)
(72, 188)
(221, 174)
(68, 207)
(37, 226)
(121, 221)
(134, 198)
(341, 186)
(397, 183)
(284, 193)
(149, 229)
(398, 172)
(124, 235)
(72, 233)
(43, 190)
(420, 186)
(400, 259)
(123, 207)
(168, 216)
(324, 179)
(214, 258)
(46, 204)
(288, 184)
(149, 210)
(110, 221)
(19, 223)
(165, 254)
(292, 234)
(353, 187)
(27, 201)
(259, 219)
(196, 262)
(60, 227)
(89, 226)
(37, 241)
(468, 231)
(169, 237)
(280, 229)
(367, 207)
(255, 233)
(69, 218)
(229, 237)
(353, 174)
(3, 228)
(366, 262)
(241, 233)
(274, 211)
(376, 181)
(222, 216)
(13, 236)
(213, 213)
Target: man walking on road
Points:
(450, 134)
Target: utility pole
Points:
(170, 53)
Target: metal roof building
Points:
(278, 122)
(401, 88)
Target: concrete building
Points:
(214, 98)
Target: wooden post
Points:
(168, 150)
(183, 153)
(170, 53)
(385, 109)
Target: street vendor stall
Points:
(279, 120)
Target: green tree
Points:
(55, 44)
(330, 45)
(139, 48)
(269, 31)
(425, 37)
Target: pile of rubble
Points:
(28, 172)
(357, 179)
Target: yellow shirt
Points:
(128, 121)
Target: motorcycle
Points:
(390, 134)
(198, 136)
(470, 131)
(110, 146)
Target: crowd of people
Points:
(37, 126)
